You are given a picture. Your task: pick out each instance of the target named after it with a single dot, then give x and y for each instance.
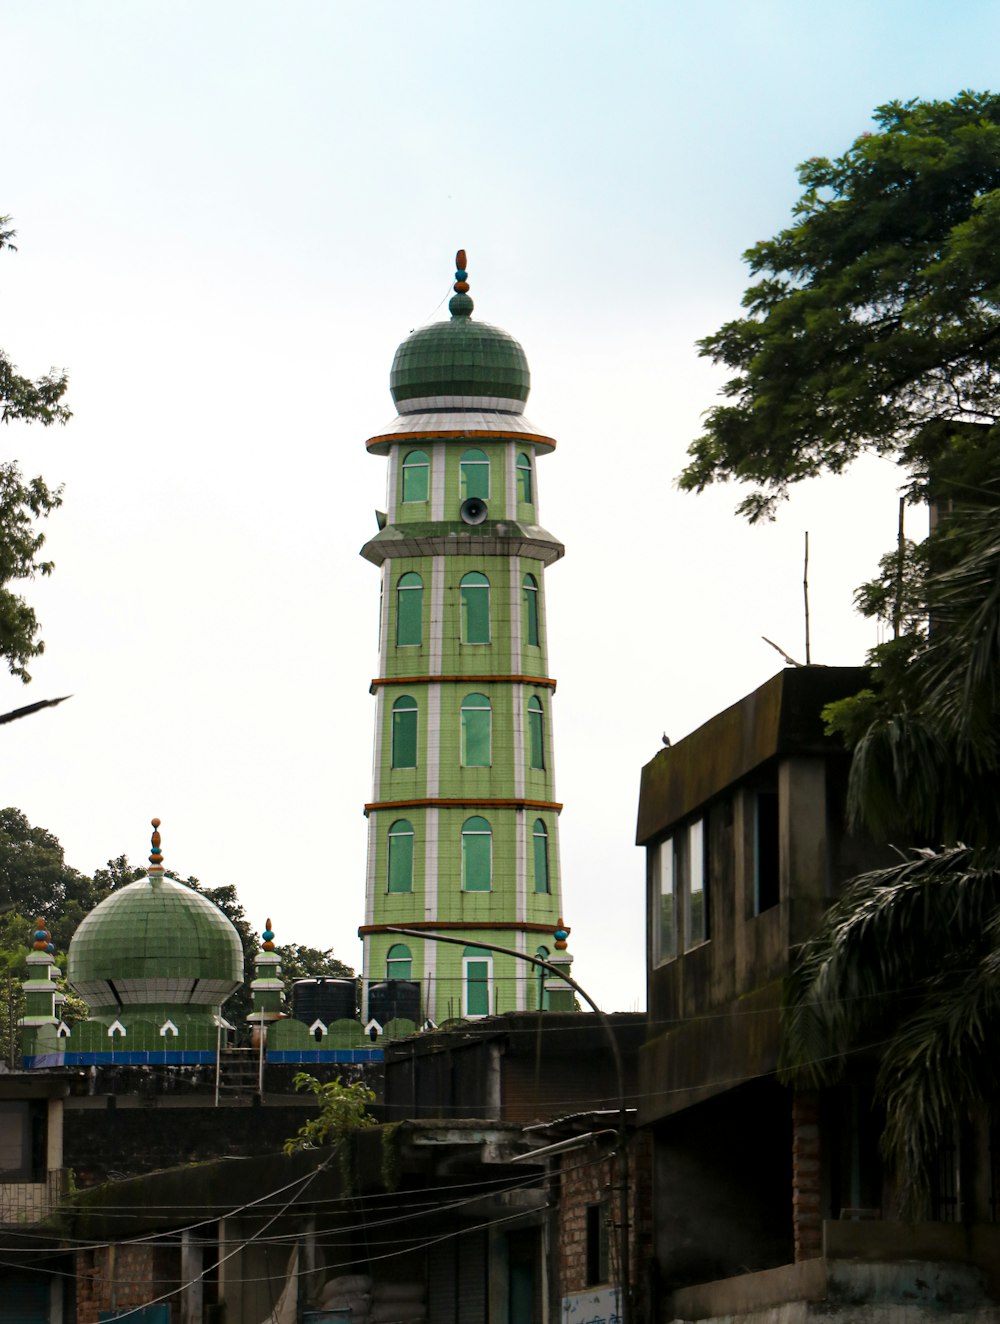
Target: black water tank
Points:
(327, 1000)
(392, 998)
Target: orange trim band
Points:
(541, 682)
(435, 803)
(492, 926)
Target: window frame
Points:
(409, 469)
(532, 619)
(467, 856)
(397, 733)
(399, 960)
(525, 485)
(468, 486)
(466, 587)
(415, 592)
(536, 734)
(472, 956)
(542, 837)
(396, 833)
(680, 875)
(465, 729)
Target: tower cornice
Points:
(454, 538)
(538, 682)
(463, 802)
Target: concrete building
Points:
(770, 1204)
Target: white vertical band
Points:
(521, 854)
(377, 753)
(432, 740)
(515, 617)
(510, 461)
(437, 458)
(371, 882)
(429, 962)
(524, 972)
(392, 484)
(383, 629)
(435, 622)
(517, 699)
(556, 858)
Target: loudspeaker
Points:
(473, 510)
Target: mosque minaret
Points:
(463, 823)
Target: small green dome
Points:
(471, 362)
(155, 942)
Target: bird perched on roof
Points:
(666, 740)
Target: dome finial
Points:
(460, 305)
(155, 854)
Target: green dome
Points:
(155, 942)
(476, 362)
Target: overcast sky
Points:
(229, 215)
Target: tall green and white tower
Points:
(463, 824)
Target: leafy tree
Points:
(907, 959)
(36, 880)
(874, 324)
(343, 1109)
(23, 502)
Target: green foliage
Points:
(908, 961)
(23, 502)
(343, 1109)
(874, 324)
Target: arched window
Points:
(540, 841)
(542, 975)
(398, 962)
(400, 870)
(404, 732)
(416, 472)
(409, 609)
(477, 983)
(474, 475)
(524, 478)
(477, 723)
(475, 608)
(477, 855)
(536, 733)
(529, 591)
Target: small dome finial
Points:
(155, 854)
(268, 936)
(460, 305)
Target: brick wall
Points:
(589, 1176)
(119, 1277)
(806, 1189)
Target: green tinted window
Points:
(477, 721)
(542, 975)
(474, 475)
(404, 732)
(401, 857)
(416, 471)
(399, 962)
(536, 733)
(540, 838)
(475, 608)
(477, 855)
(524, 479)
(409, 609)
(530, 594)
(477, 986)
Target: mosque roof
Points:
(155, 942)
(460, 363)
